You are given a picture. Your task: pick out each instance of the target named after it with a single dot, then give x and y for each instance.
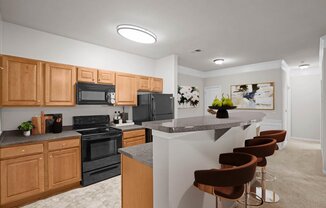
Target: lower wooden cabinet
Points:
(22, 177)
(36, 170)
(64, 167)
(132, 138)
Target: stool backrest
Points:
(242, 171)
(279, 135)
(261, 148)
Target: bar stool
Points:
(261, 148)
(229, 183)
(278, 135)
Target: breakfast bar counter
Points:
(181, 146)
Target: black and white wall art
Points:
(188, 97)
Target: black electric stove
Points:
(100, 144)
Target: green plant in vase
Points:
(26, 127)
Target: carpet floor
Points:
(298, 167)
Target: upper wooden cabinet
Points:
(105, 77)
(60, 83)
(144, 83)
(156, 84)
(21, 82)
(86, 75)
(126, 89)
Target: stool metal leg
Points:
(218, 202)
(267, 195)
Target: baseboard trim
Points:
(305, 139)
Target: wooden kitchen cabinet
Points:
(64, 167)
(86, 75)
(21, 81)
(144, 83)
(21, 177)
(60, 83)
(156, 84)
(105, 77)
(126, 89)
(134, 137)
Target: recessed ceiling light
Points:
(136, 34)
(218, 61)
(304, 66)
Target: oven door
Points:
(97, 147)
(94, 94)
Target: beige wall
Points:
(274, 75)
(188, 80)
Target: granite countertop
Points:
(8, 138)
(142, 153)
(129, 128)
(203, 123)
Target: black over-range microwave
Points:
(95, 94)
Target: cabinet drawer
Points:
(135, 133)
(21, 150)
(63, 144)
(133, 141)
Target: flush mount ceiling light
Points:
(136, 34)
(218, 61)
(304, 66)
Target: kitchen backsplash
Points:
(12, 117)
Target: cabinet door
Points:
(64, 167)
(21, 82)
(156, 84)
(21, 177)
(60, 83)
(144, 83)
(126, 89)
(86, 75)
(106, 77)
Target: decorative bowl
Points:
(222, 111)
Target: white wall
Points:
(26, 42)
(167, 68)
(272, 75)
(306, 106)
(187, 80)
(15, 115)
(322, 59)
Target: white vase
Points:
(27, 133)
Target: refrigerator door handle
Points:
(172, 105)
(154, 107)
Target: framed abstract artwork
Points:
(188, 97)
(258, 96)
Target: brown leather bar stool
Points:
(279, 136)
(261, 148)
(229, 182)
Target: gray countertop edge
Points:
(129, 128)
(142, 153)
(10, 138)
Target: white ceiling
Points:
(241, 31)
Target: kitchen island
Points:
(181, 146)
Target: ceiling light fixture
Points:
(136, 34)
(218, 61)
(304, 66)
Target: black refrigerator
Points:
(152, 107)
